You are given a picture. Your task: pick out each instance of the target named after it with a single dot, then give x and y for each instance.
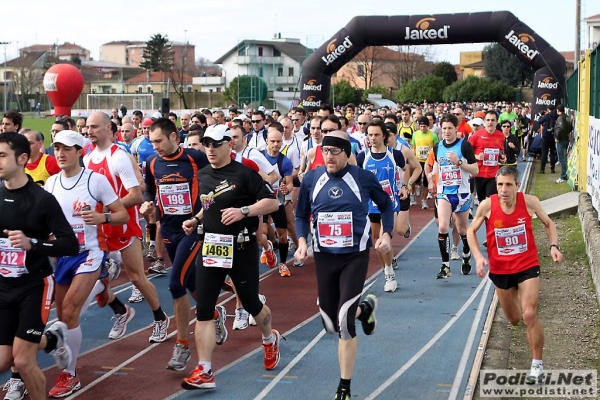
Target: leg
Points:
(529, 293)
(509, 299)
(134, 264)
(24, 354)
(347, 356)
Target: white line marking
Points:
(429, 344)
(462, 366)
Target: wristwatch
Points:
(245, 211)
(554, 245)
(460, 162)
(197, 219)
(108, 218)
(34, 243)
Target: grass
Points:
(40, 124)
(544, 186)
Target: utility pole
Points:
(577, 31)
(5, 44)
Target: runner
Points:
(29, 216)
(422, 141)
(40, 166)
(514, 267)
(232, 196)
(83, 196)
(335, 195)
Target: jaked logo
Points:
(334, 51)
(547, 83)
(423, 32)
(310, 102)
(545, 100)
(520, 42)
(310, 85)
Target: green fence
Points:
(572, 92)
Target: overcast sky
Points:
(215, 27)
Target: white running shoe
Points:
(113, 268)
(424, 205)
(390, 283)
(413, 200)
(15, 389)
(120, 326)
(160, 330)
(220, 328)
(454, 254)
(62, 353)
(180, 358)
(429, 196)
(241, 319)
(136, 295)
(251, 320)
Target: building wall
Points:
(469, 57)
(113, 53)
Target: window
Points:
(280, 71)
(291, 71)
(242, 51)
(149, 89)
(218, 89)
(276, 53)
(260, 51)
(360, 70)
(140, 89)
(260, 72)
(189, 88)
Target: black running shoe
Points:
(368, 321)
(465, 268)
(343, 394)
(444, 272)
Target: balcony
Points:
(209, 80)
(245, 60)
(284, 80)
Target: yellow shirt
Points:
(422, 142)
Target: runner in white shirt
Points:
(291, 149)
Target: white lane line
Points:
(429, 344)
(462, 366)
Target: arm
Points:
(483, 212)
(303, 218)
(118, 213)
(534, 206)
(150, 183)
(413, 164)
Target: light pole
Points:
(5, 43)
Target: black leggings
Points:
(340, 281)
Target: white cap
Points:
(156, 115)
(69, 138)
(217, 132)
(262, 108)
(476, 121)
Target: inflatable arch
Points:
(502, 27)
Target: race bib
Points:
(422, 152)
(217, 250)
(143, 168)
(175, 198)
(451, 175)
(79, 230)
(12, 260)
(491, 157)
(335, 229)
(511, 240)
(385, 184)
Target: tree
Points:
(408, 63)
(368, 66)
(474, 88)
(374, 90)
(501, 65)
(429, 87)
(342, 93)
(246, 89)
(75, 59)
(205, 67)
(158, 54)
(446, 71)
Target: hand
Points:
(91, 217)
(511, 145)
(300, 176)
(18, 240)
(231, 215)
(453, 157)
(480, 267)
(383, 243)
(147, 208)
(556, 254)
(301, 253)
(189, 225)
(403, 193)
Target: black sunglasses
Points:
(256, 121)
(362, 123)
(506, 126)
(328, 130)
(214, 143)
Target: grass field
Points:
(544, 185)
(40, 124)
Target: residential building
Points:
(63, 52)
(159, 83)
(471, 64)
(131, 53)
(592, 25)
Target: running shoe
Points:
(390, 283)
(251, 320)
(424, 205)
(454, 254)
(220, 329)
(284, 270)
(408, 231)
(368, 321)
(536, 375)
(270, 256)
(272, 351)
(102, 297)
(413, 200)
(120, 326)
(475, 201)
(418, 191)
(180, 358)
(159, 331)
(62, 353)
(470, 213)
(15, 389)
(343, 394)
(444, 272)
(151, 252)
(394, 263)
(136, 295)
(241, 319)
(465, 268)
(429, 196)
(113, 268)
(65, 385)
(298, 263)
(199, 380)
(158, 267)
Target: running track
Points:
(424, 346)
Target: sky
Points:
(214, 27)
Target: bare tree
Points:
(205, 67)
(411, 63)
(367, 66)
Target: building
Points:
(592, 25)
(277, 61)
(383, 66)
(63, 52)
(159, 83)
(471, 64)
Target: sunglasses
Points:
(362, 123)
(333, 150)
(456, 114)
(214, 143)
(295, 119)
(506, 126)
(328, 130)
(256, 121)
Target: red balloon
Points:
(63, 84)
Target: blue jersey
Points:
(339, 206)
(385, 170)
(452, 179)
(142, 148)
(284, 167)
